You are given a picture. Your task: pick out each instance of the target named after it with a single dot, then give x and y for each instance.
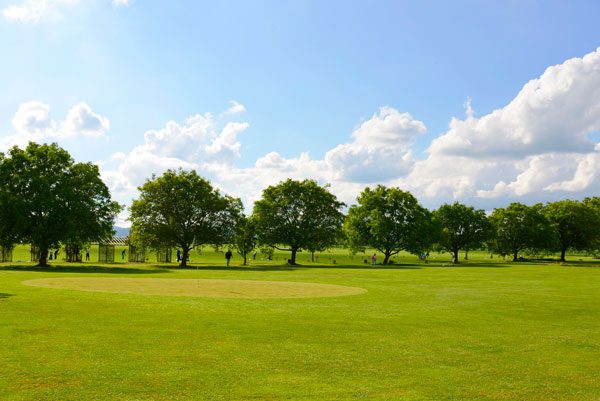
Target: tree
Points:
(53, 199)
(244, 237)
(462, 226)
(594, 204)
(181, 209)
(577, 224)
(389, 220)
(519, 227)
(293, 215)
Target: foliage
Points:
(298, 214)
(518, 228)
(461, 227)
(389, 220)
(52, 199)
(182, 209)
(244, 237)
(577, 224)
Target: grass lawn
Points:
(486, 329)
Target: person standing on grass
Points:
(228, 256)
(374, 259)
(123, 254)
(178, 253)
(87, 254)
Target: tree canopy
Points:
(389, 220)
(294, 215)
(244, 237)
(48, 199)
(577, 224)
(462, 227)
(182, 209)
(519, 227)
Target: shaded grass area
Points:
(485, 329)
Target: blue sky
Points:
(306, 76)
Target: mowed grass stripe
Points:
(212, 288)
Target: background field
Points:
(486, 329)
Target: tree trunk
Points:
(245, 257)
(562, 254)
(467, 254)
(386, 257)
(515, 256)
(455, 256)
(43, 262)
(184, 256)
(292, 261)
(312, 257)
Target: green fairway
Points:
(485, 329)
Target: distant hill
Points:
(121, 231)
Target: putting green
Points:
(198, 287)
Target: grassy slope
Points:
(482, 330)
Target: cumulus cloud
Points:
(199, 143)
(32, 11)
(32, 122)
(538, 143)
(380, 150)
(553, 113)
(536, 148)
(81, 120)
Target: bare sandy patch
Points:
(209, 288)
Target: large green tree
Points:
(577, 224)
(463, 227)
(182, 209)
(293, 215)
(519, 227)
(54, 200)
(389, 220)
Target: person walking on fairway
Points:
(374, 259)
(228, 256)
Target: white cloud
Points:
(81, 120)
(235, 108)
(32, 122)
(553, 113)
(381, 148)
(536, 148)
(200, 143)
(538, 144)
(32, 11)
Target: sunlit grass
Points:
(486, 329)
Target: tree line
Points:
(46, 199)
(181, 209)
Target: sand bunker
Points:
(198, 287)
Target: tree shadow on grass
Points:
(4, 295)
(231, 268)
(287, 267)
(84, 269)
